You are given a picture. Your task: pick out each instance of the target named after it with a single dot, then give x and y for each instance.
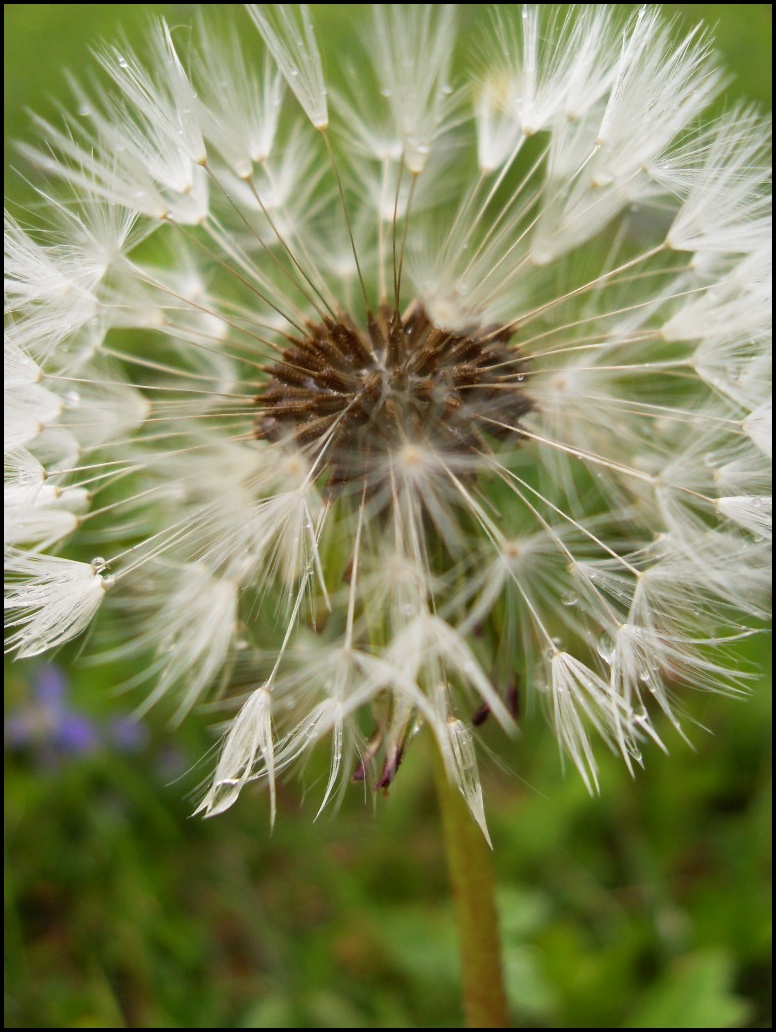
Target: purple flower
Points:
(51, 727)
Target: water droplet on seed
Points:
(606, 648)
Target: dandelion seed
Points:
(381, 395)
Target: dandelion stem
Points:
(471, 874)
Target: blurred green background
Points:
(648, 907)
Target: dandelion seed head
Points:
(389, 399)
(387, 395)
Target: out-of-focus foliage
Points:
(645, 908)
(648, 907)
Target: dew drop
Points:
(98, 564)
(606, 648)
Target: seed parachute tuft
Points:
(396, 396)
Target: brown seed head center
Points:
(364, 395)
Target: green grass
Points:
(646, 907)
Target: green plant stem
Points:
(471, 873)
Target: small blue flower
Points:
(49, 726)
